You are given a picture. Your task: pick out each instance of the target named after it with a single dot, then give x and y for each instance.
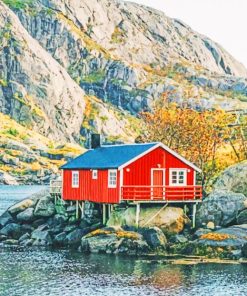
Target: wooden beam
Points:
(194, 216)
(104, 214)
(77, 209)
(138, 210)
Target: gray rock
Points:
(10, 242)
(74, 237)
(154, 237)
(234, 236)
(60, 239)
(179, 238)
(26, 216)
(3, 237)
(221, 208)
(201, 231)
(98, 244)
(242, 217)
(26, 243)
(24, 237)
(5, 219)
(42, 237)
(21, 206)
(12, 230)
(44, 208)
(234, 179)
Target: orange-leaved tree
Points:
(196, 135)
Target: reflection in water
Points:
(37, 272)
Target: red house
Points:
(113, 174)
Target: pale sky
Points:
(224, 21)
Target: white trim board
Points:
(190, 164)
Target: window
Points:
(112, 178)
(75, 179)
(95, 174)
(178, 177)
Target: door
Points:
(158, 183)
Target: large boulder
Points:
(41, 238)
(221, 207)
(21, 206)
(169, 220)
(154, 237)
(242, 217)
(233, 236)
(234, 179)
(114, 241)
(45, 207)
(26, 216)
(5, 219)
(12, 230)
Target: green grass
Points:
(94, 77)
(18, 4)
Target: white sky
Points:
(224, 21)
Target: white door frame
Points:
(152, 180)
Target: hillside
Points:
(69, 68)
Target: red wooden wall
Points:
(89, 189)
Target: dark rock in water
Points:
(74, 237)
(234, 236)
(38, 222)
(24, 237)
(26, 243)
(154, 237)
(98, 244)
(60, 239)
(200, 232)
(27, 228)
(70, 228)
(242, 217)
(26, 216)
(41, 237)
(236, 254)
(110, 240)
(10, 242)
(178, 239)
(244, 250)
(44, 208)
(221, 208)
(3, 237)
(5, 219)
(12, 230)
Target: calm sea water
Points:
(38, 272)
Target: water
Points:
(41, 272)
(36, 272)
(9, 195)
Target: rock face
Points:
(114, 51)
(171, 220)
(36, 91)
(221, 207)
(234, 179)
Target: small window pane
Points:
(75, 179)
(95, 174)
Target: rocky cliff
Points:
(69, 67)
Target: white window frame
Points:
(75, 177)
(171, 171)
(94, 174)
(112, 183)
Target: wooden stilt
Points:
(82, 209)
(104, 214)
(138, 210)
(109, 211)
(185, 209)
(77, 209)
(194, 216)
